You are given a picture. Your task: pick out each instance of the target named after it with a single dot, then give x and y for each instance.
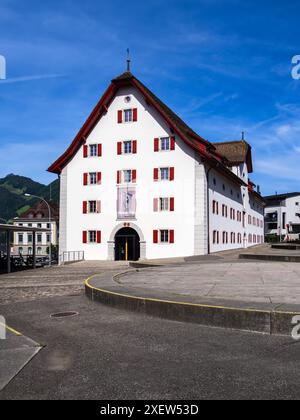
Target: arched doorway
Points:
(127, 245)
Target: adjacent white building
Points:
(36, 217)
(138, 183)
(282, 215)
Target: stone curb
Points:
(272, 322)
(273, 258)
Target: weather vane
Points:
(128, 60)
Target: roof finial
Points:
(243, 135)
(128, 60)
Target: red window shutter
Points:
(155, 236)
(99, 237)
(172, 204)
(99, 150)
(119, 147)
(134, 146)
(119, 177)
(84, 207)
(171, 236)
(173, 143)
(155, 204)
(134, 112)
(85, 151)
(156, 145)
(134, 175)
(172, 173)
(98, 206)
(85, 179)
(155, 174)
(120, 117)
(84, 237)
(99, 178)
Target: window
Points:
(215, 237)
(48, 226)
(128, 115)
(215, 207)
(39, 237)
(30, 251)
(29, 224)
(232, 237)
(224, 210)
(165, 143)
(48, 238)
(20, 250)
(39, 225)
(164, 174)
(164, 204)
(164, 236)
(30, 238)
(39, 250)
(93, 150)
(92, 206)
(92, 236)
(93, 178)
(127, 176)
(20, 238)
(127, 147)
(20, 224)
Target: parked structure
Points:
(282, 216)
(36, 217)
(137, 182)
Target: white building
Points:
(137, 182)
(37, 217)
(282, 215)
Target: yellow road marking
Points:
(199, 305)
(11, 329)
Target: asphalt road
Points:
(106, 353)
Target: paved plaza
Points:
(262, 282)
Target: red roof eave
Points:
(80, 139)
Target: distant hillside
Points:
(12, 199)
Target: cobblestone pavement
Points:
(50, 282)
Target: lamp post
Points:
(49, 213)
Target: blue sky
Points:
(223, 65)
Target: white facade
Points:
(188, 224)
(282, 215)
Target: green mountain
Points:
(12, 199)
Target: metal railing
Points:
(71, 256)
